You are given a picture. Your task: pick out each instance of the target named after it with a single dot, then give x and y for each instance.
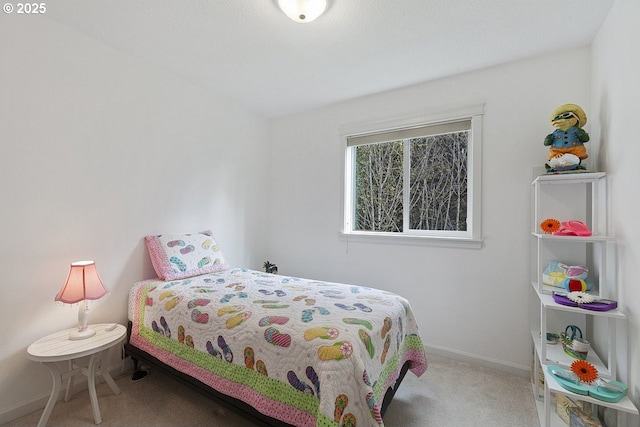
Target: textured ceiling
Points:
(248, 50)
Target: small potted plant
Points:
(270, 268)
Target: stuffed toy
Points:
(566, 143)
(573, 278)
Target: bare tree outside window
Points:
(379, 183)
(437, 184)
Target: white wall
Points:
(97, 151)
(616, 102)
(469, 302)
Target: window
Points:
(415, 178)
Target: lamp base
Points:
(81, 335)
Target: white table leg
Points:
(66, 393)
(93, 361)
(55, 391)
(107, 377)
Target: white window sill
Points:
(408, 239)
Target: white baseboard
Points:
(23, 409)
(39, 402)
(474, 359)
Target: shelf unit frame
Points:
(557, 193)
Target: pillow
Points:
(176, 256)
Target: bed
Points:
(284, 351)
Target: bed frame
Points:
(141, 357)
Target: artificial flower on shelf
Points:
(584, 370)
(581, 297)
(550, 225)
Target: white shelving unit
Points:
(574, 196)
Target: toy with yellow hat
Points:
(566, 143)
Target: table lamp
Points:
(82, 284)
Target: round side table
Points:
(58, 347)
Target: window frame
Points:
(472, 237)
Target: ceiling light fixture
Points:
(303, 11)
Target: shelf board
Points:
(576, 177)
(548, 302)
(557, 356)
(625, 405)
(573, 239)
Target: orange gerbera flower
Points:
(584, 370)
(550, 225)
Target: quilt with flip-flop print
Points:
(306, 352)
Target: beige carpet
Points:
(449, 394)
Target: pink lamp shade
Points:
(83, 283)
